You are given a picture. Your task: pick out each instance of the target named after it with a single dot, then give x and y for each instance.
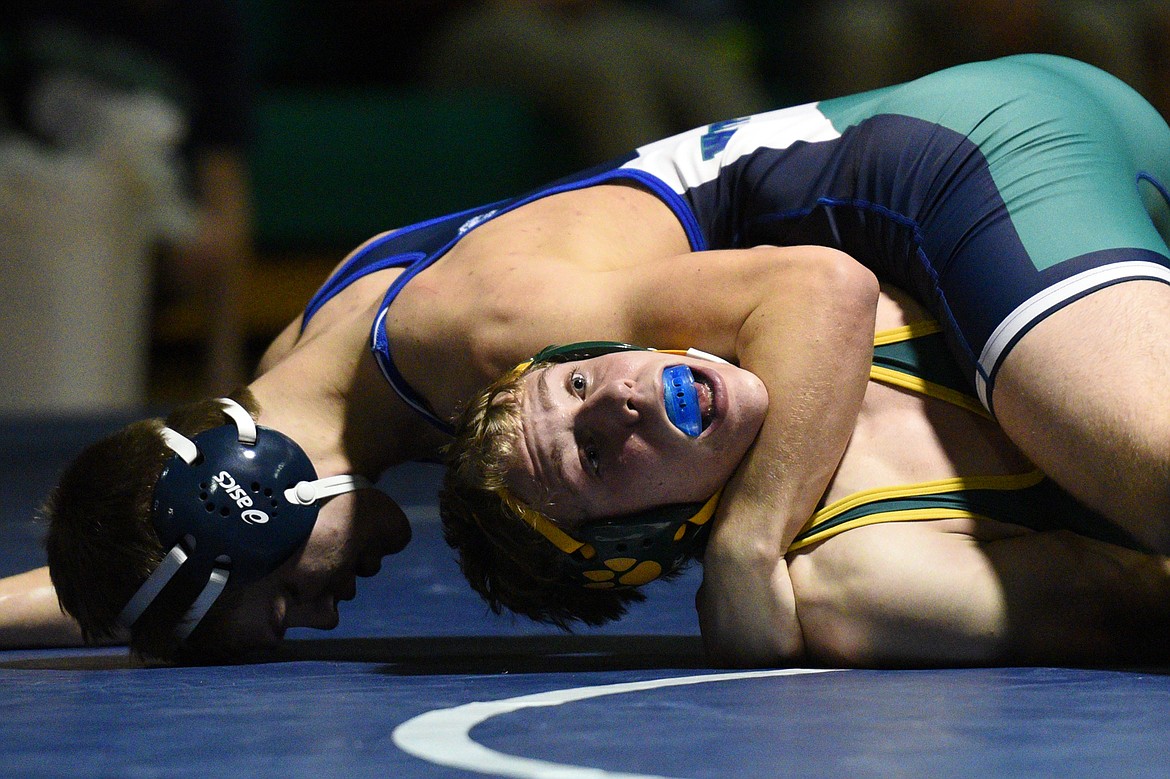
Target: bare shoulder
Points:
(289, 337)
(280, 346)
(902, 592)
(550, 271)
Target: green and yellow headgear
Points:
(625, 551)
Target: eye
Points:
(592, 459)
(577, 384)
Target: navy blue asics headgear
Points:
(232, 504)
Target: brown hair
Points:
(101, 542)
(503, 558)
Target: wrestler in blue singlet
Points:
(994, 192)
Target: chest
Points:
(903, 438)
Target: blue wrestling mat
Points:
(421, 680)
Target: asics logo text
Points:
(243, 500)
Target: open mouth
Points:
(689, 399)
(706, 397)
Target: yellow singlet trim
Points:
(908, 515)
(923, 387)
(954, 484)
(906, 332)
(918, 384)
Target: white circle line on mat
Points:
(443, 736)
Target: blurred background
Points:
(177, 176)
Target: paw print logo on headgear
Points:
(626, 551)
(631, 550)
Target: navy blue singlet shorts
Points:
(994, 192)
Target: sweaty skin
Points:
(948, 591)
(930, 590)
(952, 183)
(597, 439)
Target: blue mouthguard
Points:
(681, 399)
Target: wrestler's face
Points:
(353, 532)
(597, 441)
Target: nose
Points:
(614, 406)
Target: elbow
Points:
(741, 628)
(849, 291)
(722, 655)
(838, 279)
(851, 283)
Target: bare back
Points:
(545, 273)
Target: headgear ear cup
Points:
(636, 549)
(232, 501)
(221, 508)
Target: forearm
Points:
(748, 618)
(30, 615)
(802, 319)
(812, 345)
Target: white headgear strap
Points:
(215, 586)
(185, 447)
(180, 445)
(154, 584)
(244, 422)
(309, 492)
(303, 493)
(699, 354)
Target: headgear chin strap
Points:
(626, 551)
(232, 504)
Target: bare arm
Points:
(280, 346)
(30, 615)
(811, 342)
(910, 594)
(802, 319)
(290, 335)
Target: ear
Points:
(376, 506)
(500, 398)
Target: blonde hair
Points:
(503, 558)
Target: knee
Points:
(1147, 479)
